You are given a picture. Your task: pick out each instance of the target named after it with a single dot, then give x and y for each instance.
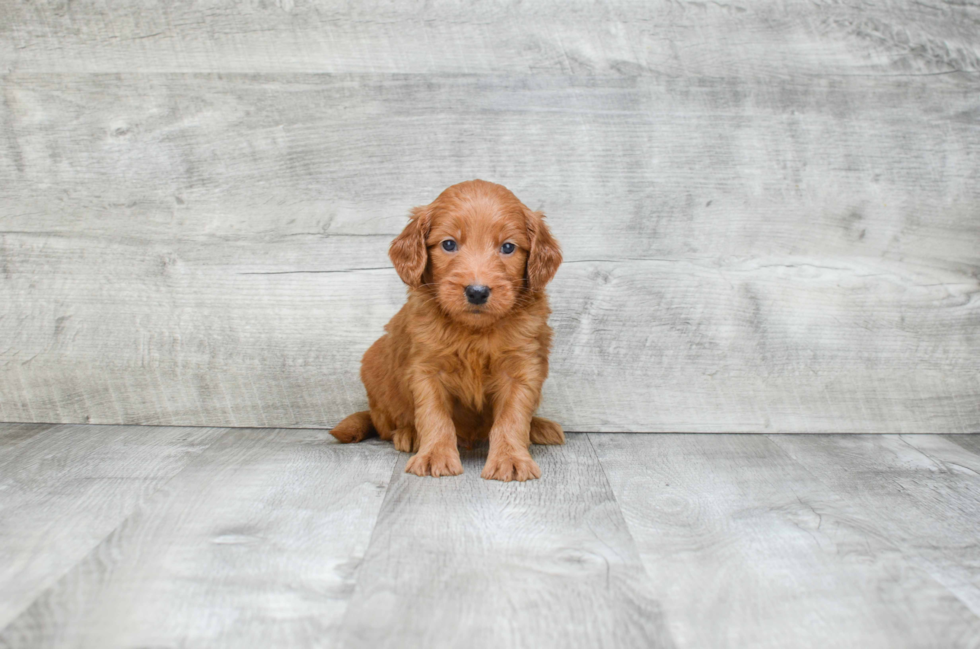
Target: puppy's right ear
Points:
(545, 255)
(408, 251)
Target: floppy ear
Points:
(545, 255)
(408, 251)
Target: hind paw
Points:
(405, 440)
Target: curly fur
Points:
(449, 372)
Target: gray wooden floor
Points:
(115, 536)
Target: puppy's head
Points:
(478, 249)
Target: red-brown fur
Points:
(448, 371)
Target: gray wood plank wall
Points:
(770, 212)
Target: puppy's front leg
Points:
(509, 457)
(438, 455)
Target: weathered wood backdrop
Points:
(770, 210)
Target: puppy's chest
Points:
(468, 375)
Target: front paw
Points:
(435, 463)
(507, 467)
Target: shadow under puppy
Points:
(465, 358)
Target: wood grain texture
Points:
(13, 434)
(467, 562)
(796, 254)
(65, 489)
(148, 537)
(969, 442)
(254, 544)
(746, 548)
(929, 505)
(622, 37)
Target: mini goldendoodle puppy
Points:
(465, 358)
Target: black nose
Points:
(476, 294)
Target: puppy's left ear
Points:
(408, 251)
(545, 254)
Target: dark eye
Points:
(449, 245)
(508, 248)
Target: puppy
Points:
(465, 358)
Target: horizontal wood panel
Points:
(776, 344)
(578, 37)
(782, 254)
(626, 168)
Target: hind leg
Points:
(545, 431)
(405, 440)
(391, 411)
